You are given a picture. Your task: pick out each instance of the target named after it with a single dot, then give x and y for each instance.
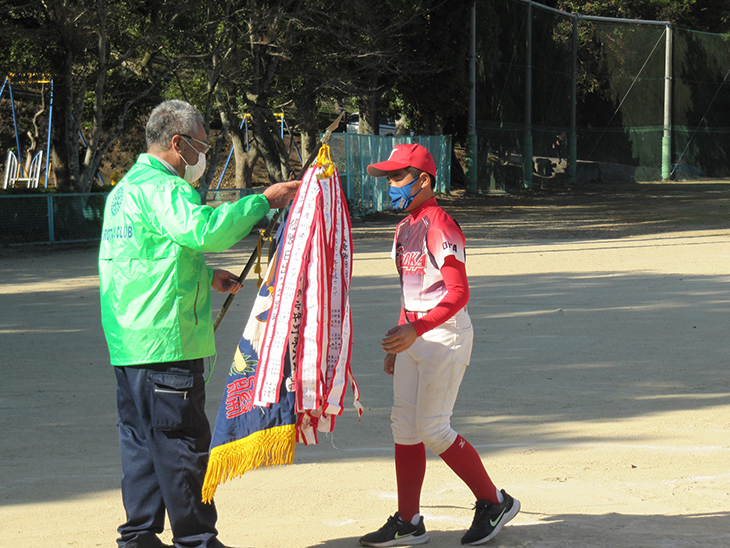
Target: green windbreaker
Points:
(154, 283)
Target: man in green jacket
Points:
(157, 319)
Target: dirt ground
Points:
(598, 393)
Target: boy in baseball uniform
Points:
(427, 354)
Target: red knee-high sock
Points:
(410, 469)
(464, 460)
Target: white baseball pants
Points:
(426, 382)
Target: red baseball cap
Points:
(403, 156)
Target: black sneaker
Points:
(489, 519)
(397, 532)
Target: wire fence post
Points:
(49, 201)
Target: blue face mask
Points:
(401, 195)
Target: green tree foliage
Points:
(620, 73)
(102, 57)
(405, 57)
(244, 54)
(432, 87)
(706, 15)
(111, 61)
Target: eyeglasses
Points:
(206, 146)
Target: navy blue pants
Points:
(164, 437)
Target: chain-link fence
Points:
(630, 100)
(352, 153)
(55, 218)
(50, 218)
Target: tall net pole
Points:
(527, 146)
(471, 168)
(667, 135)
(573, 139)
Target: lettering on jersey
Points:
(121, 232)
(413, 263)
(452, 247)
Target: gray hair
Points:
(171, 118)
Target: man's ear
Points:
(174, 142)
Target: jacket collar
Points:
(156, 162)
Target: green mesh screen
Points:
(619, 100)
(701, 107)
(353, 153)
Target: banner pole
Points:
(272, 223)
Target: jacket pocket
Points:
(195, 304)
(171, 404)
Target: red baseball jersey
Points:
(422, 242)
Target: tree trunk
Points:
(92, 154)
(270, 145)
(247, 166)
(244, 160)
(307, 113)
(240, 159)
(215, 155)
(400, 126)
(369, 105)
(34, 135)
(60, 152)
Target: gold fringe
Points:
(271, 447)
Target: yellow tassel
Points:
(271, 447)
(324, 161)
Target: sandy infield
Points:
(598, 395)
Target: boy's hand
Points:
(389, 366)
(399, 338)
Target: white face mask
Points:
(194, 172)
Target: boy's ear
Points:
(425, 179)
